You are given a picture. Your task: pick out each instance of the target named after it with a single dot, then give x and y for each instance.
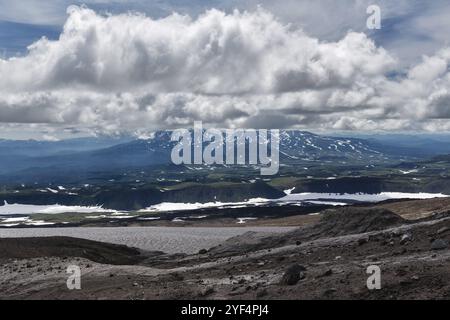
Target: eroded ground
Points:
(325, 259)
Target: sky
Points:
(70, 68)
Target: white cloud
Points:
(131, 72)
(215, 54)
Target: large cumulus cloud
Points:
(130, 72)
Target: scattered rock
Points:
(327, 273)
(396, 233)
(439, 244)
(293, 275)
(407, 237)
(203, 251)
(298, 242)
(400, 252)
(206, 292)
(401, 272)
(177, 276)
(362, 241)
(330, 291)
(261, 293)
(376, 238)
(405, 282)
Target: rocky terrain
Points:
(326, 258)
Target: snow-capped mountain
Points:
(295, 147)
(300, 145)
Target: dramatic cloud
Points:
(129, 72)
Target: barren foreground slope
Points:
(323, 260)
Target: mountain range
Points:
(114, 153)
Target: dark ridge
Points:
(334, 222)
(348, 220)
(235, 192)
(105, 253)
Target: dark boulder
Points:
(293, 275)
